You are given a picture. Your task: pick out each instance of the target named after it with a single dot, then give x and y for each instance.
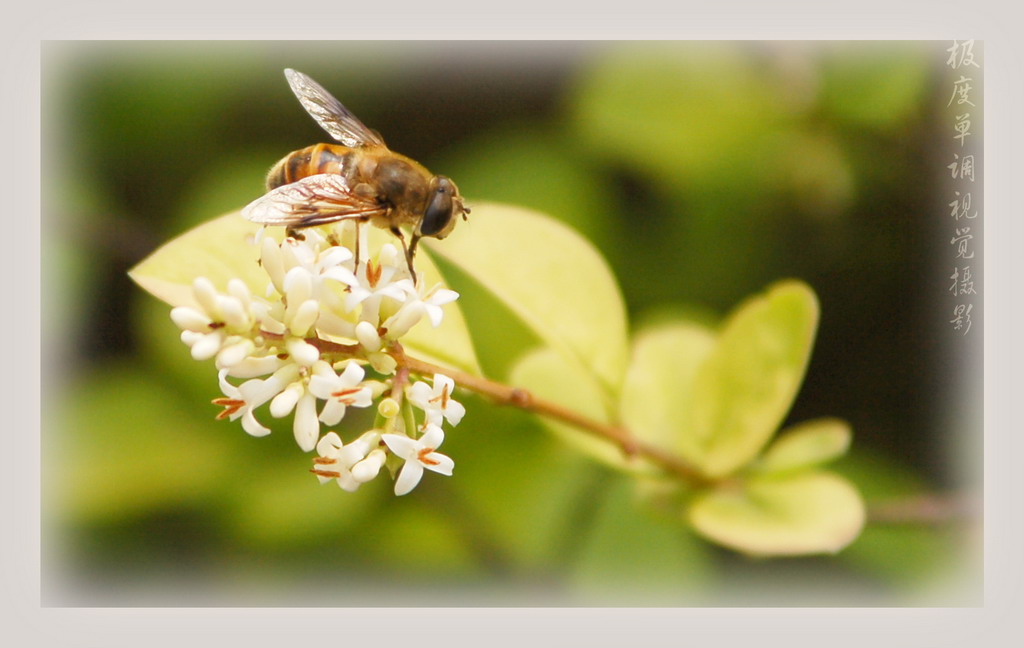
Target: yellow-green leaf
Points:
(808, 444)
(550, 277)
(220, 249)
(805, 513)
(657, 394)
(747, 384)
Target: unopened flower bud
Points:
(189, 319)
(389, 408)
(366, 333)
(376, 387)
(382, 363)
(207, 346)
(234, 353)
(303, 353)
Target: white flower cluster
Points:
(283, 347)
(361, 460)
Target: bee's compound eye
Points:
(439, 211)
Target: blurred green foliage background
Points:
(702, 171)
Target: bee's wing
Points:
(333, 117)
(313, 200)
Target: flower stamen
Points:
(443, 397)
(421, 456)
(230, 405)
(330, 474)
(343, 396)
(373, 273)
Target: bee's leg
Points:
(411, 253)
(358, 222)
(408, 252)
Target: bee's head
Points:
(444, 206)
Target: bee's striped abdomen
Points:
(319, 158)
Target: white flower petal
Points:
(206, 295)
(334, 256)
(253, 367)
(342, 274)
(347, 482)
(434, 313)
(355, 297)
(419, 394)
(401, 445)
(410, 475)
(256, 392)
(369, 468)
(442, 382)
(382, 363)
(273, 263)
(298, 285)
(272, 325)
(284, 403)
(432, 438)
(454, 412)
(252, 426)
(439, 463)
(433, 417)
(240, 291)
(443, 296)
(333, 412)
(395, 292)
(306, 428)
(407, 285)
(234, 314)
(322, 386)
(233, 354)
(352, 375)
(407, 317)
(362, 446)
(207, 346)
(362, 398)
(304, 318)
(366, 333)
(322, 368)
(329, 445)
(388, 255)
(227, 388)
(331, 324)
(302, 352)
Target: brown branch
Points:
(523, 399)
(922, 509)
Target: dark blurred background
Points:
(702, 171)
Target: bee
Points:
(360, 179)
